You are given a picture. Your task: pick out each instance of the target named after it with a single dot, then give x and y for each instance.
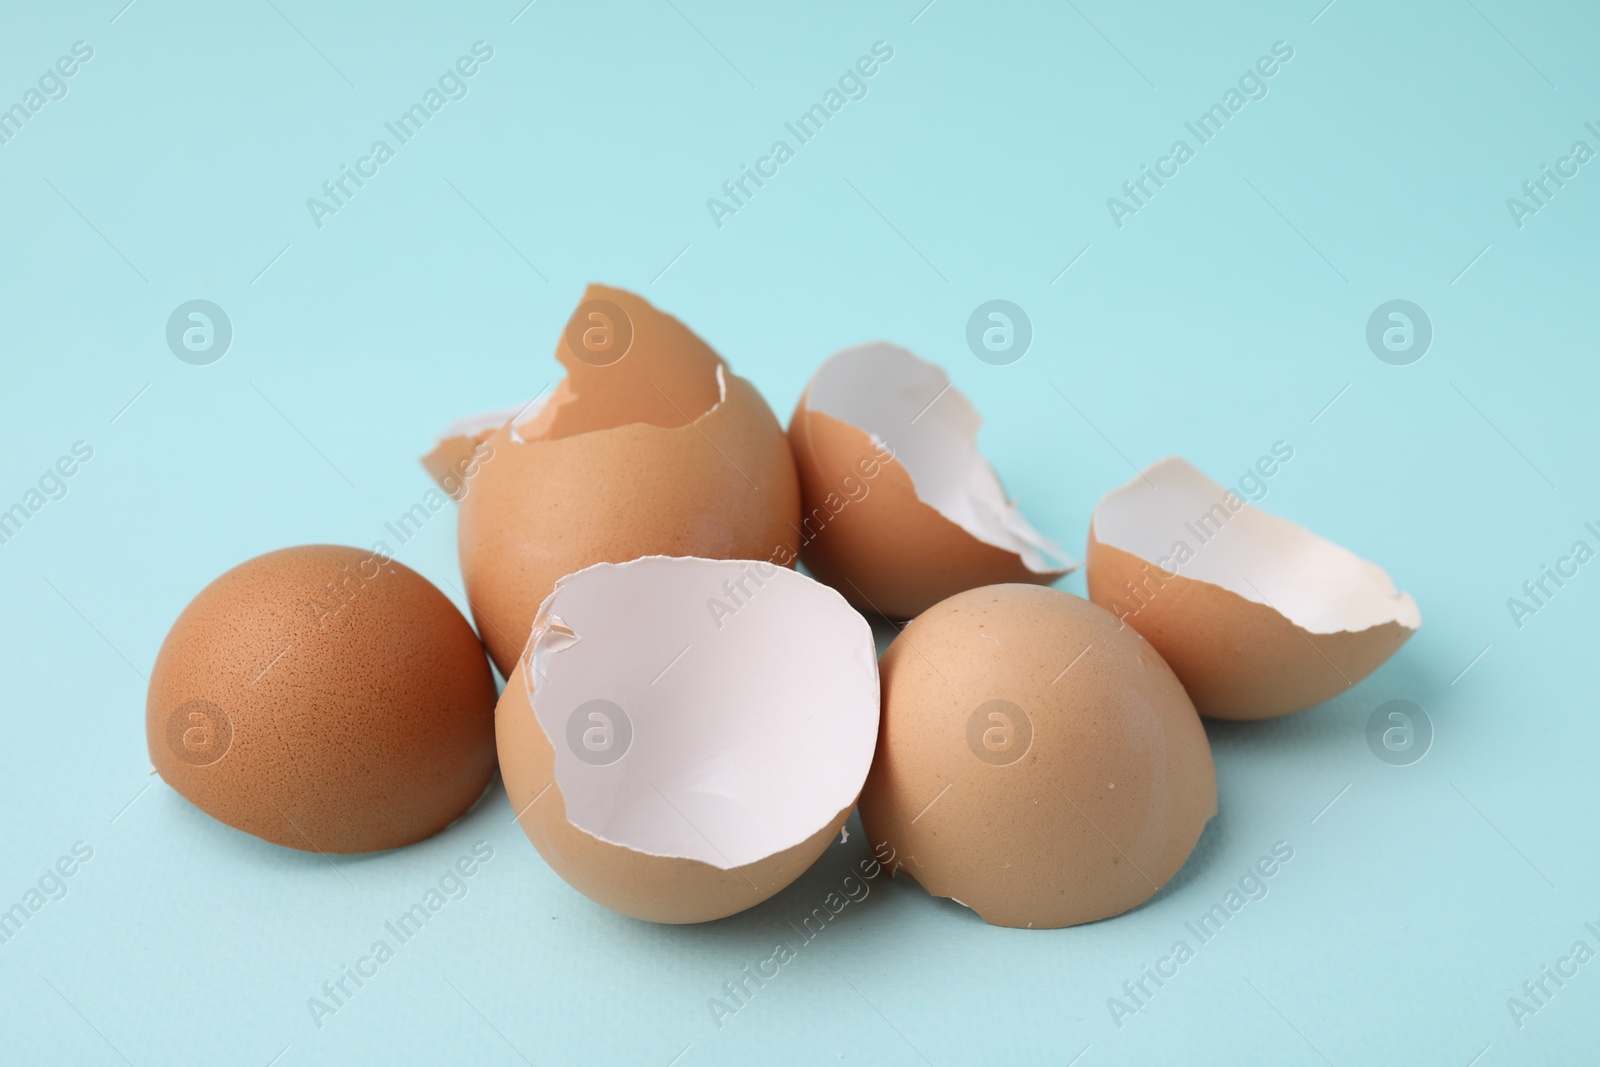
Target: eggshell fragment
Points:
(659, 450)
(1258, 616)
(323, 698)
(453, 463)
(899, 510)
(683, 737)
(1036, 761)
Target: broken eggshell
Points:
(1258, 616)
(899, 510)
(648, 446)
(683, 737)
(453, 463)
(1037, 762)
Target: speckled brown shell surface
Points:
(324, 698)
(1036, 762)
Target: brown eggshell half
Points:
(1237, 652)
(324, 698)
(663, 451)
(865, 529)
(713, 701)
(1036, 761)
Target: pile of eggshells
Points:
(688, 720)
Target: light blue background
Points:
(1223, 317)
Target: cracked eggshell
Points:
(659, 451)
(1037, 762)
(324, 698)
(455, 459)
(1258, 616)
(683, 737)
(898, 509)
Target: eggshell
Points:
(323, 698)
(899, 510)
(661, 451)
(1036, 761)
(1258, 616)
(730, 743)
(453, 463)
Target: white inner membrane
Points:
(910, 404)
(751, 692)
(1315, 584)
